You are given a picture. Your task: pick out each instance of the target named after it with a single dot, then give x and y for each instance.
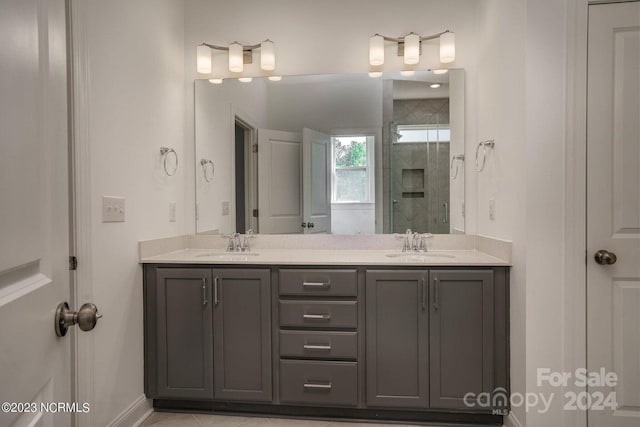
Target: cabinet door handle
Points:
(436, 299)
(424, 295)
(317, 347)
(315, 284)
(317, 316)
(314, 386)
(216, 296)
(204, 291)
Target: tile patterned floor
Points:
(166, 419)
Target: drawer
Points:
(316, 282)
(319, 314)
(310, 381)
(319, 344)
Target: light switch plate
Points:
(112, 209)
(225, 208)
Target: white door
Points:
(316, 171)
(279, 182)
(35, 365)
(613, 209)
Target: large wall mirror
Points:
(342, 154)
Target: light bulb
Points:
(440, 71)
(236, 63)
(203, 59)
(412, 49)
(275, 78)
(245, 79)
(447, 47)
(267, 55)
(216, 80)
(376, 50)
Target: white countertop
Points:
(326, 257)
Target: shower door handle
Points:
(446, 213)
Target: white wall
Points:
(136, 104)
(522, 103)
(500, 115)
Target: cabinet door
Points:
(461, 338)
(397, 339)
(184, 333)
(242, 334)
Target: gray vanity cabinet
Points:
(183, 337)
(208, 334)
(242, 334)
(461, 345)
(397, 337)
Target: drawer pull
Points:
(317, 316)
(317, 347)
(315, 284)
(313, 386)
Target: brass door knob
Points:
(604, 257)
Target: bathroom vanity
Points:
(363, 334)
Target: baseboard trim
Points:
(512, 421)
(135, 414)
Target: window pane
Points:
(351, 185)
(350, 151)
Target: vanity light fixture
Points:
(407, 73)
(409, 47)
(216, 81)
(238, 56)
(375, 74)
(275, 78)
(440, 71)
(245, 79)
(434, 85)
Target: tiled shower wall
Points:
(420, 172)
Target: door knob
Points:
(604, 257)
(86, 318)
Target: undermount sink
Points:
(228, 254)
(418, 255)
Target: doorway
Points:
(245, 177)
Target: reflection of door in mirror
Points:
(245, 173)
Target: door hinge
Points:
(254, 148)
(255, 213)
(73, 263)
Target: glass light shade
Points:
(411, 49)
(407, 73)
(440, 71)
(375, 74)
(216, 81)
(275, 78)
(267, 55)
(203, 59)
(236, 63)
(246, 79)
(447, 47)
(376, 50)
(434, 85)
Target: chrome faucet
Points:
(245, 241)
(415, 242)
(233, 244)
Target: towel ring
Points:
(454, 174)
(164, 152)
(484, 144)
(204, 163)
